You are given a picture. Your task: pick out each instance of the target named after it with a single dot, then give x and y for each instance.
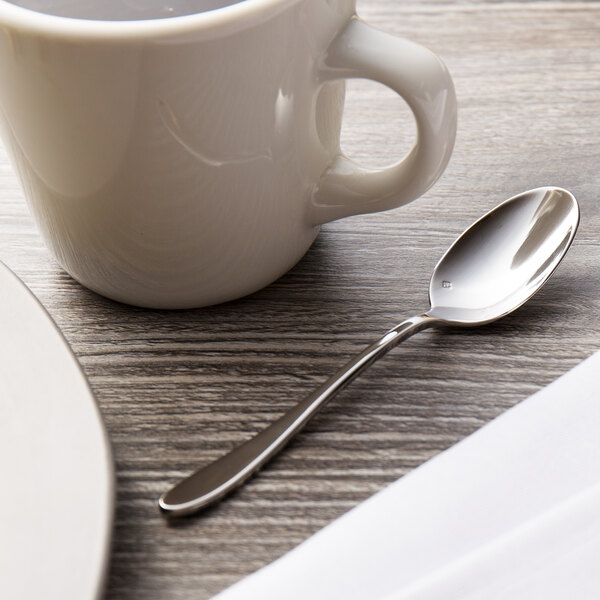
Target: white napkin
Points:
(512, 511)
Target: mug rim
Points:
(236, 16)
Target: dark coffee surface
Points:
(122, 10)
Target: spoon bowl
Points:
(492, 269)
(504, 258)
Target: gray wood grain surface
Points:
(179, 388)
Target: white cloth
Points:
(512, 511)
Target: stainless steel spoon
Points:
(492, 269)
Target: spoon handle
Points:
(210, 483)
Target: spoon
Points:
(494, 267)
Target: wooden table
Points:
(178, 388)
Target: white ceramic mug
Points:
(186, 161)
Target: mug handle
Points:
(422, 80)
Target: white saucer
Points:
(56, 467)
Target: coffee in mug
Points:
(122, 10)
